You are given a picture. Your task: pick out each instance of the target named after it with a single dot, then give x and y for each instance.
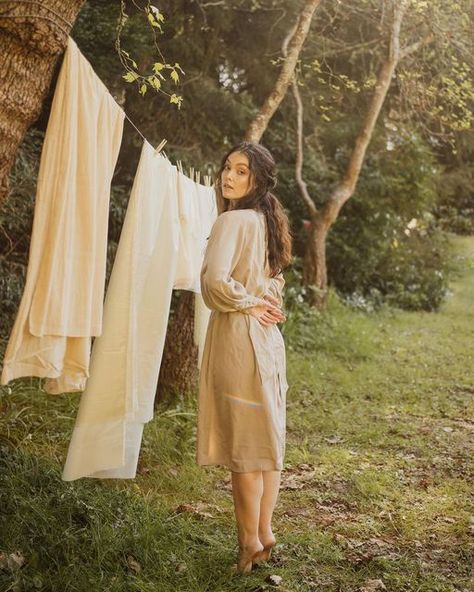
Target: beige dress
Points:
(242, 394)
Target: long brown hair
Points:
(260, 198)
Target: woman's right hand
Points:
(267, 313)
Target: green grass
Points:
(377, 482)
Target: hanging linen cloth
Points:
(198, 211)
(61, 307)
(126, 358)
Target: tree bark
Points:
(32, 37)
(179, 371)
(315, 268)
(314, 263)
(299, 33)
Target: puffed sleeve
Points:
(275, 288)
(220, 291)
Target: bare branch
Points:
(416, 46)
(273, 101)
(299, 150)
(344, 190)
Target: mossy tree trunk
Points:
(32, 37)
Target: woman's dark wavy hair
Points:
(261, 198)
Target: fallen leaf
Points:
(372, 586)
(199, 510)
(335, 439)
(15, 560)
(274, 580)
(133, 564)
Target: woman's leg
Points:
(271, 487)
(247, 491)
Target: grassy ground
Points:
(376, 491)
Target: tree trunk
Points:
(298, 35)
(315, 268)
(179, 371)
(32, 37)
(314, 264)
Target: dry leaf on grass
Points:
(11, 562)
(372, 586)
(133, 564)
(200, 510)
(274, 580)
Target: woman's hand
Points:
(268, 312)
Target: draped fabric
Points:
(62, 303)
(161, 247)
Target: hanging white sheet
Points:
(61, 307)
(163, 225)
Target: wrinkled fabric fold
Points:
(242, 391)
(126, 358)
(62, 303)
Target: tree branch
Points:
(416, 46)
(258, 126)
(345, 189)
(299, 132)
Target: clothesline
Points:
(194, 175)
(162, 242)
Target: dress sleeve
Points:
(275, 288)
(220, 291)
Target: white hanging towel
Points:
(126, 358)
(61, 307)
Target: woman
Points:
(241, 418)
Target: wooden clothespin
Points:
(198, 176)
(160, 146)
(191, 173)
(179, 164)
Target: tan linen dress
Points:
(242, 391)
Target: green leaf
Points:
(130, 76)
(153, 21)
(176, 99)
(174, 76)
(143, 89)
(158, 15)
(154, 82)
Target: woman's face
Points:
(236, 178)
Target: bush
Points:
(385, 246)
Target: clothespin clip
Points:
(191, 173)
(160, 146)
(198, 176)
(179, 164)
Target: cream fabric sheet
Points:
(242, 394)
(126, 358)
(62, 303)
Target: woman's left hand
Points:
(268, 312)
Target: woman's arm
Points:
(275, 289)
(229, 235)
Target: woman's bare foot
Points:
(268, 542)
(247, 556)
